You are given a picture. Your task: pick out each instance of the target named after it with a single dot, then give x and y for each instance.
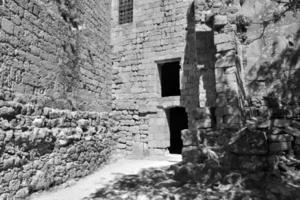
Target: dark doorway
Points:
(178, 121)
(169, 78)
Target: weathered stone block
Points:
(7, 112)
(200, 113)
(7, 26)
(190, 154)
(38, 122)
(204, 123)
(281, 123)
(292, 131)
(280, 138)
(279, 146)
(22, 193)
(226, 61)
(220, 20)
(225, 46)
(189, 138)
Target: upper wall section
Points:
(58, 51)
(157, 33)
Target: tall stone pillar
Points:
(216, 60)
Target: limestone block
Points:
(190, 154)
(226, 61)
(5, 125)
(292, 131)
(281, 123)
(6, 112)
(222, 87)
(41, 180)
(204, 123)
(38, 122)
(121, 146)
(7, 26)
(22, 193)
(280, 138)
(279, 146)
(83, 124)
(14, 185)
(9, 135)
(227, 46)
(200, 113)
(220, 20)
(189, 138)
(8, 163)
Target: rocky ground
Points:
(206, 181)
(77, 190)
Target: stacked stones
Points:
(250, 149)
(190, 150)
(42, 147)
(127, 125)
(57, 49)
(203, 135)
(218, 82)
(226, 72)
(284, 137)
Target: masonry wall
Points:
(42, 147)
(157, 34)
(57, 51)
(256, 85)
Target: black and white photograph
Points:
(149, 99)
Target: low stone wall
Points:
(261, 144)
(41, 147)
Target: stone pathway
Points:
(90, 184)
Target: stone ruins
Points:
(82, 82)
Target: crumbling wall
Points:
(257, 85)
(58, 51)
(271, 54)
(42, 147)
(199, 34)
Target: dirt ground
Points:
(87, 186)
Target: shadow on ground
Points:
(206, 181)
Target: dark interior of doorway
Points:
(169, 78)
(178, 121)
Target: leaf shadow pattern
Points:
(281, 77)
(205, 181)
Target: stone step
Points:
(279, 146)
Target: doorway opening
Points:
(169, 73)
(178, 120)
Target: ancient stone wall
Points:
(256, 111)
(157, 34)
(57, 50)
(199, 34)
(42, 147)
